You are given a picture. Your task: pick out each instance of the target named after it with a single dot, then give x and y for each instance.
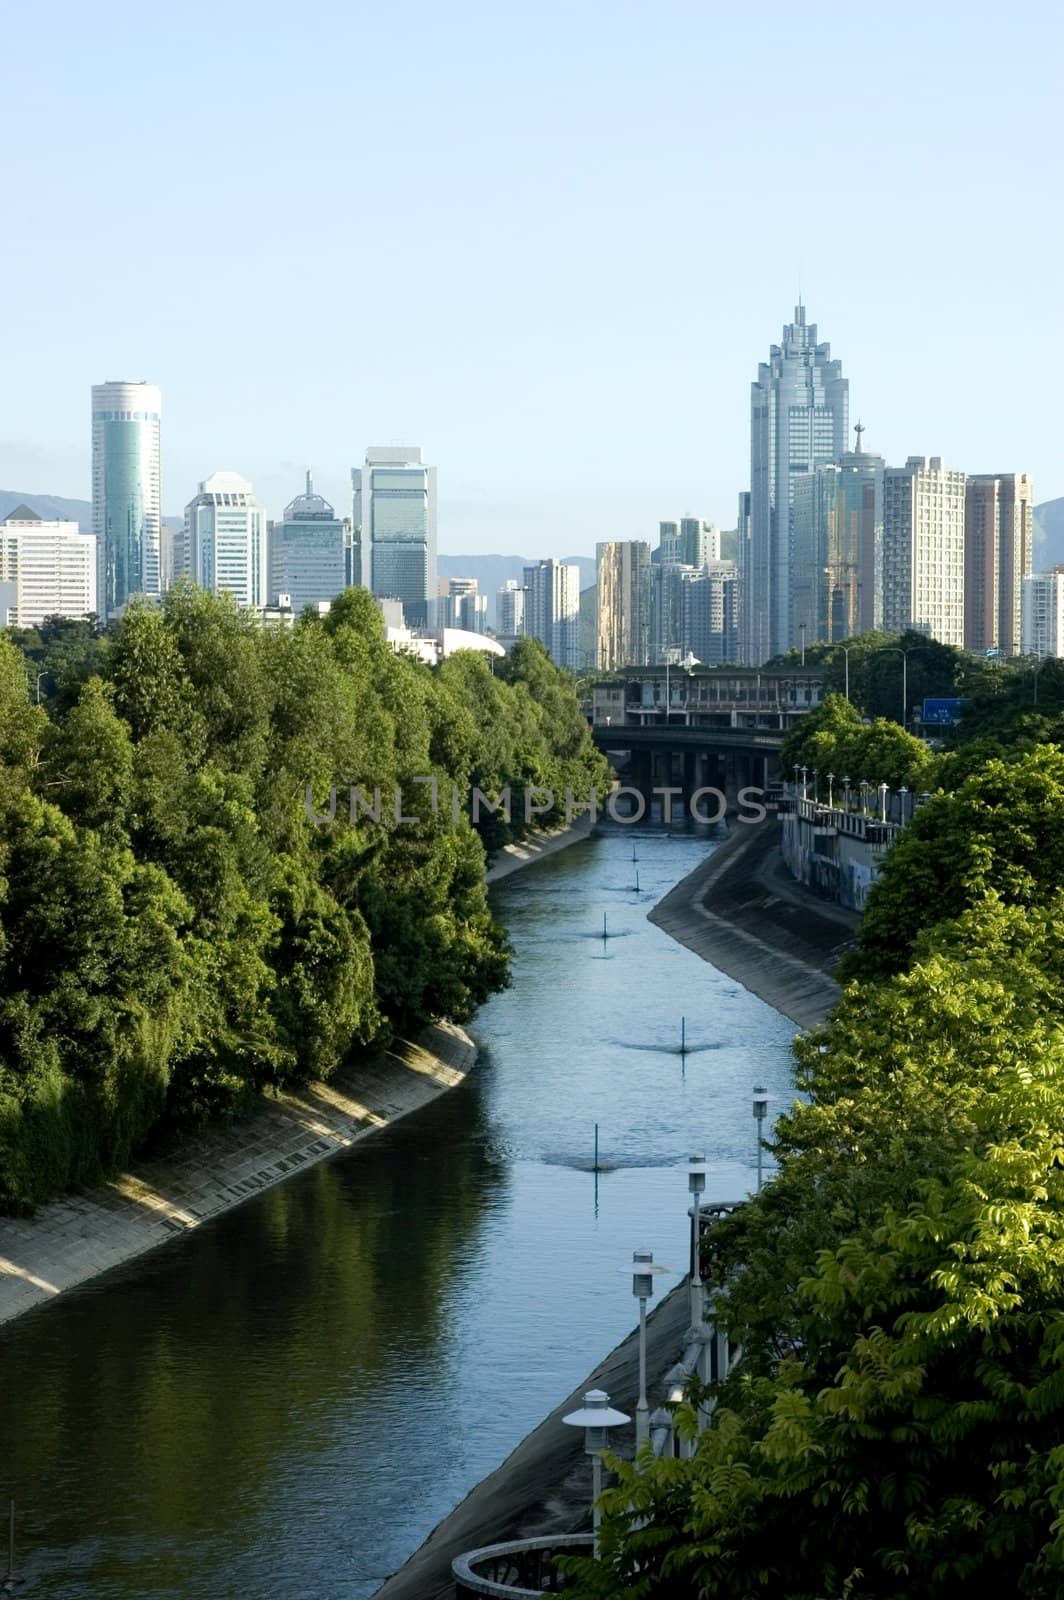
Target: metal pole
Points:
(760, 1158)
(683, 1036)
(846, 657)
(596, 1147)
(696, 1265)
(642, 1410)
(904, 688)
(596, 1490)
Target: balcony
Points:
(522, 1567)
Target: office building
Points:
(623, 578)
(1042, 613)
(799, 419)
(552, 610)
(225, 547)
(47, 569)
(998, 554)
(837, 524)
(459, 605)
(510, 609)
(126, 515)
(307, 552)
(394, 527)
(923, 549)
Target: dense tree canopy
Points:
(178, 928)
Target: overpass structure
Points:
(701, 727)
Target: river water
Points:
(284, 1403)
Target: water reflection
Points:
(285, 1402)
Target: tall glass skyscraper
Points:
(395, 519)
(307, 551)
(126, 514)
(799, 419)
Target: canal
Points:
(284, 1403)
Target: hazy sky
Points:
(549, 243)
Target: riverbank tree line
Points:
(895, 1428)
(176, 935)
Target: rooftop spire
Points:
(858, 429)
(310, 483)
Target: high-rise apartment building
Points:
(510, 609)
(225, 546)
(307, 552)
(459, 605)
(622, 634)
(799, 419)
(837, 526)
(1042, 613)
(691, 542)
(126, 512)
(552, 610)
(923, 549)
(710, 612)
(998, 554)
(395, 527)
(47, 569)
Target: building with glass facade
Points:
(307, 552)
(923, 549)
(552, 610)
(998, 555)
(799, 419)
(47, 569)
(623, 579)
(224, 548)
(691, 542)
(394, 522)
(126, 513)
(836, 547)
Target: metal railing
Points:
(520, 1567)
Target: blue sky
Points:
(550, 243)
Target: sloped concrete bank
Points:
(542, 843)
(743, 912)
(73, 1239)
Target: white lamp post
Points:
(760, 1110)
(643, 1271)
(596, 1418)
(696, 1184)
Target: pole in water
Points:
(596, 1147)
(683, 1036)
(604, 933)
(637, 880)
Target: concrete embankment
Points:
(743, 912)
(544, 1486)
(539, 844)
(85, 1233)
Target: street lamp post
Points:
(805, 774)
(865, 786)
(846, 794)
(760, 1110)
(643, 1271)
(40, 675)
(596, 1417)
(831, 787)
(883, 790)
(696, 1184)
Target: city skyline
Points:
(520, 346)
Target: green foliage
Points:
(176, 932)
(834, 738)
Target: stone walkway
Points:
(73, 1239)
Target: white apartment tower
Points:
(923, 549)
(510, 609)
(552, 610)
(1042, 608)
(225, 545)
(126, 515)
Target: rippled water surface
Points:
(285, 1402)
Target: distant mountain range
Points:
(1049, 534)
(52, 508)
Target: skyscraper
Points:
(126, 515)
(225, 548)
(47, 569)
(552, 610)
(395, 523)
(307, 552)
(623, 604)
(691, 542)
(998, 552)
(923, 549)
(510, 609)
(837, 520)
(799, 419)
